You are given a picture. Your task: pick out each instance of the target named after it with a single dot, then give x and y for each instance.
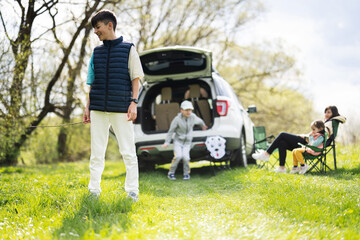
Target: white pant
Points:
(124, 131)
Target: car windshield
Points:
(173, 62)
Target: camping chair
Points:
(262, 143)
(319, 163)
(330, 143)
(218, 156)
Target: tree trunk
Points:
(62, 141)
(15, 130)
(62, 147)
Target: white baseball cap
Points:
(185, 105)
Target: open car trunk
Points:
(174, 74)
(162, 103)
(175, 63)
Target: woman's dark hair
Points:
(319, 124)
(333, 110)
(104, 16)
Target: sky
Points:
(324, 36)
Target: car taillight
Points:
(222, 107)
(146, 148)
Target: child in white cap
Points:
(182, 125)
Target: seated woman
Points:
(287, 141)
(332, 113)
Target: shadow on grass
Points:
(202, 182)
(95, 217)
(204, 169)
(344, 174)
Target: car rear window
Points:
(172, 62)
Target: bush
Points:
(41, 146)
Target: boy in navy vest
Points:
(113, 75)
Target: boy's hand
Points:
(204, 127)
(164, 145)
(132, 112)
(86, 116)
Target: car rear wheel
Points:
(239, 157)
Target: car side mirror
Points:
(251, 109)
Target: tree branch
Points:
(50, 29)
(68, 50)
(3, 23)
(47, 7)
(160, 21)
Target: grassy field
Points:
(51, 202)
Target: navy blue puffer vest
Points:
(111, 90)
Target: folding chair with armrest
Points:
(330, 143)
(316, 162)
(319, 163)
(262, 143)
(217, 155)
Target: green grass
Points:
(51, 202)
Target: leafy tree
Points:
(72, 101)
(36, 81)
(266, 77)
(152, 23)
(18, 112)
(252, 70)
(202, 23)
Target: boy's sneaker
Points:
(186, 177)
(133, 196)
(262, 156)
(295, 170)
(171, 176)
(280, 170)
(303, 169)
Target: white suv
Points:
(173, 74)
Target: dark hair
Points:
(333, 110)
(318, 124)
(104, 16)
